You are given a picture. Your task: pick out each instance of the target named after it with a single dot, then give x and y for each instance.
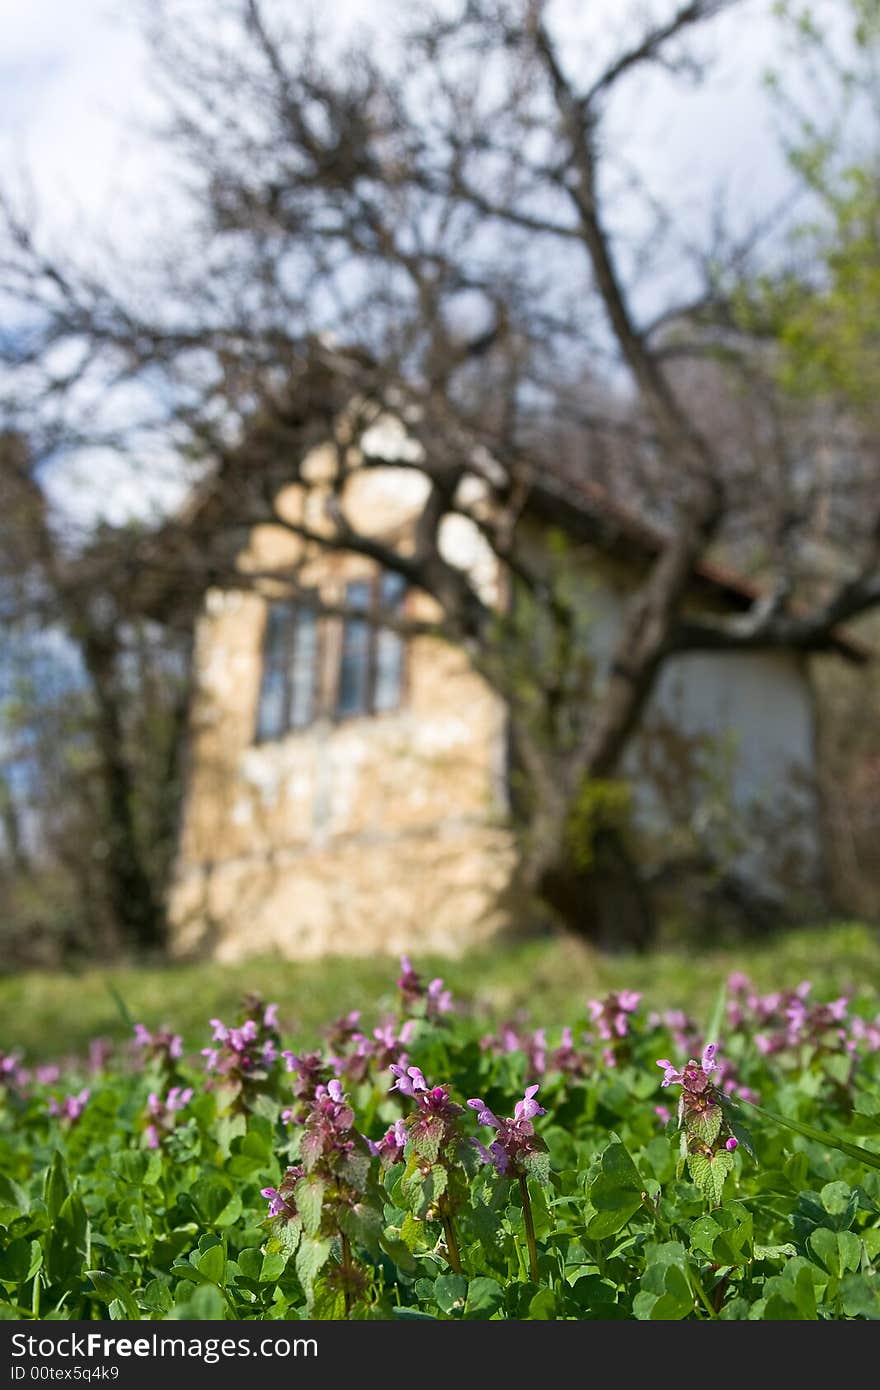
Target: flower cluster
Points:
(160, 1114)
(513, 1152)
(13, 1076)
(433, 1001)
(247, 1056)
(282, 1200)
(328, 1126)
(69, 1108)
(513, 1037)
(611, 1017)
(374, 1054)
(310, 1072)
(707, 1132)
(162, 1048)
(435, 1124)
(391, 1146)
(784, 1024)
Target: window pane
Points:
(389, 646)
(355, 662)
(304, 671)
(389, 670)
(272, 711)
(392, 588)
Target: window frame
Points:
(374, 629)
(306, 601)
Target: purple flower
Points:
(528, 1107)
(71, 1107)
(100, 1052)
(163, 1046)
(409, 984)
(281, 1199)
(694, 1076)
(390, 1147)
(867, 1032)
(438, 1000)
(611, 1014)
(160, 1113)
(409, 1082)
(515, 1142)
(270, 1017)
(731, 1144)
(566, 1057)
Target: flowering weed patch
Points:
(624, 1166)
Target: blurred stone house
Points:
(349, 791)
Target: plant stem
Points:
(452, 1250)
(530, 1227)
(346, 1272)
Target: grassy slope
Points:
(52, 1014)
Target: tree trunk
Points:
(594, 889)
(133, 901)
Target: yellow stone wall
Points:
(378, 833)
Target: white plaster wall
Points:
(755, 710)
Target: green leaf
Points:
(450, 1292)
(112, 1290)
(362, 1224)
(837, 1251)
(309, 1197)
(14, 1196)
(831, 1141)
(705, 1124)
(15, 1262)
(57, 1186)
(204, 1304)
(716, 1021)
(156, 1297)
(250, 1262)
(709, 1173)
(412, 1233)
(616, 1192)
(665, 1294)
(124, 1012)
(426, 1139)
(212, 1264)
(230, 1214)
(311, 1257)
(272, 1267)
(537, 1166)
(542, 1307)
(774, 1252)
(860, 1296)
(484, 1297)
(69, 1251)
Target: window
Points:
(370, 673)
(289, 686)
(371, 658)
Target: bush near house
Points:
(423, 1164)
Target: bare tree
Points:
(95, 729)
(432, 231)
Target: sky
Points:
(75, 86)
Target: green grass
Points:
(53, 1014)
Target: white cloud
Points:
(76, 82)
